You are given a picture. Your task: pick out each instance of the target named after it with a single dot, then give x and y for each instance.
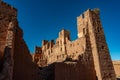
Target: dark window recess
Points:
(51, 51)
(61, 49)
(83, 30)
(83, 15)
(57, 57)
(98, 30)
(102, 47)
(0, 18)
(48, 52)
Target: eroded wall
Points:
(7, 14)
(24, 68)
(15, 59)
(61, 49)
(7, 17)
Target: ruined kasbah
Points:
(86, 58)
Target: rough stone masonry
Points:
(86, 58)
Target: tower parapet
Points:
(64, 35)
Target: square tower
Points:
(90, 20)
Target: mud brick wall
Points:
(13, 49)
(24, 68)
(7, 14)
(73, 71)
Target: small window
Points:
(57, 57)
(0, 18)
(83, 16)
(36, 51)
(98, 30)
(60, 49)
(83, 30)
(102, 47)
(48, 52)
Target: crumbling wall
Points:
(15, 59)
(75, 48)
(24, 68)
(83, 69)
(7, 14)
(7, 17)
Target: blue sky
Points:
(43, 19)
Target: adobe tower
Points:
(102, 61)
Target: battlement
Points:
(44, 42)
(82, 20)
(87, 12)
(38, 50)
(46, 45)
(51, 43)
(63, 36)
(64, 32)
